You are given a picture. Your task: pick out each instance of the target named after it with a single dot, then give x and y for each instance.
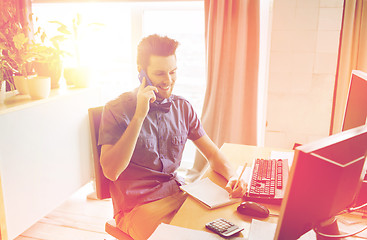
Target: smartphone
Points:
(143, 74)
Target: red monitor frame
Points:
(325, 178)
(355, 112)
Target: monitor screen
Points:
(324, 179)
(355, 112)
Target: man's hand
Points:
(144, 96)
(240, 189)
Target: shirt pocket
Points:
(147, 143)
(177, 145)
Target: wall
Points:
(45, 154)
(303, 59)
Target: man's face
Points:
(162, 73)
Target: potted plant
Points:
(50, 62)
(19, 52)
(5, 75)
(79, 74)
(22, 54)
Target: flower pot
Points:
(50, 69)
(2, 91)
(21, 84)
(79, 77)
(39, 87)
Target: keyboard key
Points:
(267, 176)
(223, 227)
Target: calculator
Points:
(223, 227)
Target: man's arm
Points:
(220, 164)
(115, 158)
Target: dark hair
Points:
(155, 45)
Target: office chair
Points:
(102, 183)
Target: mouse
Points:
(253, 209)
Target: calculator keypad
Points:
(223, 227)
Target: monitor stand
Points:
(329, 227)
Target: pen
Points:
(239, 177)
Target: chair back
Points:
(102, 183)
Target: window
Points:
(111, 51)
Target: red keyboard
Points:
(268, 179)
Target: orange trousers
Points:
(141, 222)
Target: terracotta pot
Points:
(79, 77)
(52, 70)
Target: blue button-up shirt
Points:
(150, 174)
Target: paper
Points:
(262, 230)
(209, 193)
(169, 232)
(246, 176)
(283, 155)
(352, 225)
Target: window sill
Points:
(15, 101)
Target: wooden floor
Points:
(78, 218)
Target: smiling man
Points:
(143, 134)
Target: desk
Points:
(194, 215)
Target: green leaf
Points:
(57, 22)
(59, 38)
(3, 46)
(55, 43)
(96, 24)
(78, 19)
(38, 31)
(43, 37)
(19, 40)
(63, 29)
(2, 36)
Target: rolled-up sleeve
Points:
(195, 128)
(112, 126)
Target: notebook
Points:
(209, 193)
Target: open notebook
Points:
(209, 193)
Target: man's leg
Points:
(141, 222)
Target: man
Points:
(143, 134)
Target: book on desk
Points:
(209, 193)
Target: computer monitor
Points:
(324, 179)
(355, 112)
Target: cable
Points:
(340, 235)
(352, 209)
(356, 208)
